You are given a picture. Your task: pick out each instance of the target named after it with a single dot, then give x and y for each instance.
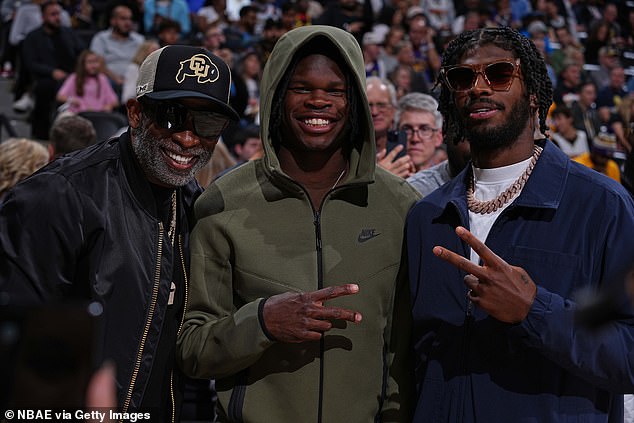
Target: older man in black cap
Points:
(110, 223)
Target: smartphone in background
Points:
(47, 355)
(395, 138)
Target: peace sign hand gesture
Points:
(504, 291)
(298, 317)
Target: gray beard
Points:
(148, 152)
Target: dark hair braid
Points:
(532, 64)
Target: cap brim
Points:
(222, 108)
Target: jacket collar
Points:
(543, 189)
(546, 184)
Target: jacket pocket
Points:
(554, 270)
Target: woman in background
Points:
(132, 71)
(19, 158)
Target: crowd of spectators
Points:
(588, 46)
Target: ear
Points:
(439, 139)
(533, 102)
(134, 112)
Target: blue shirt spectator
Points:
(177, 10)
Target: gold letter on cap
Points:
(198, 66)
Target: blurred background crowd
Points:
(81, 58)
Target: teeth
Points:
(316, 122)
(179, 159)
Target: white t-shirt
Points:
(489, 183)
(209, 13)
(579, 147)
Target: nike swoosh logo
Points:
(366, 236)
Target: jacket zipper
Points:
(466, 339)
(320, 284)
(146, 329)
(180, 326)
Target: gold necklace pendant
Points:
(491, 206)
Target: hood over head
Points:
(361, 147)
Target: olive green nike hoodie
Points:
(258, 235)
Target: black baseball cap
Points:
(178, 71)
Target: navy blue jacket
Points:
(570, 229)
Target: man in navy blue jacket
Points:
(498, 255)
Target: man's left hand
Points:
(504, 291)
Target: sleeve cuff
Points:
(531, 323)
(261, 320)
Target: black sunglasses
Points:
(174, 116)
(498, 75)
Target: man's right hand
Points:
(400, 167)
(298, 317)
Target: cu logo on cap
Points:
(198, 66)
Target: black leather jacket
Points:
(86, 228)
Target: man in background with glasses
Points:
(110, 223)
(418, 117)
(496, 334)
(390, 146)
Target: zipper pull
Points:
(469, 305)
(317, 231)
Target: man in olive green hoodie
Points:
(298, 303)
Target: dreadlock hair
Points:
(532, 65)
(318, 45)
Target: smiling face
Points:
(315, 106)
(492, 119)
(169, 158)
